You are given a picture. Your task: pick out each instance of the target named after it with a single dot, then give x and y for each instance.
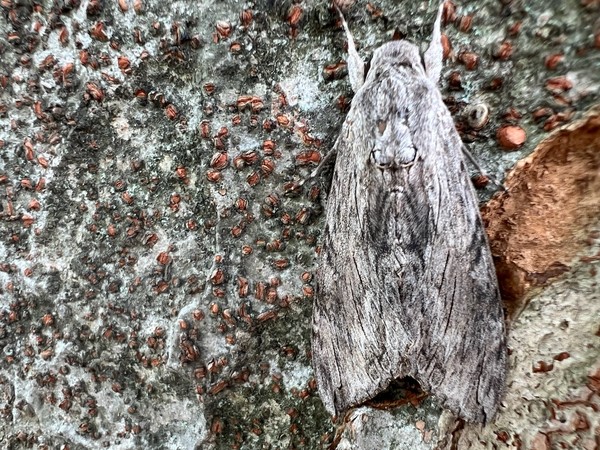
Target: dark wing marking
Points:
(406, 285)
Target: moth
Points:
(405, 283)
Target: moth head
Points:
(396, 54)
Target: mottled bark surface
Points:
(156, 258)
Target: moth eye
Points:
(381, 126)
(381, 159)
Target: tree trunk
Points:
(157, 247)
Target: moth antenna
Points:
(326, 161)
(356, 66)
(435, 53)
(472, 160)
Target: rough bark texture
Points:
(156, 256)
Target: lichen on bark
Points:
(156, 255)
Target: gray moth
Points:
(405, 284)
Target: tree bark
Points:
(157, 250)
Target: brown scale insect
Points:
(284, 121)
(268, 147)
(213, 175)
(253, 179)
(243, 286)
(243, 101)
(249, 157)
(47, 63)
(163, 258)
(557, 85)
(181, 172)
(218, 143)
(465, 23)
(63, 36)
(237, 231)
(469, 60)
(219, 161)
(94, 7)
(267, 166)
(511, 137)
(241, 204)
(223, 29)
(259, 290)
(552, 61)
(171, 112)
(515, 28)
(204, 127)
(273, 200)
(238, 162)
(314, 193)
(335, 71)
(209, 88)
(124, 64)
(268, 125)
(294, 16)
(281, 263)
(274, 246)
(98, 32)
(256, 104)
(267, 315)
(246, 17)
(304, 215)
(271, 295)
(308, 157)
(504, 51)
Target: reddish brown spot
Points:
(561, 356)
(253, 179)
(294, 15)
(504, 51)
(223, 29)
(511, 137)
(171, 112)
(557, 85)
(469, 59)
(335, 71)
(515, 28)
(213, 175)
(448, 13)
(308, 157)
(465, 23)
(541, 112)
(246, 17)
(542, 367)
(552, 61)
(480, 181)
(219, 161)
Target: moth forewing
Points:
(406, 284)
